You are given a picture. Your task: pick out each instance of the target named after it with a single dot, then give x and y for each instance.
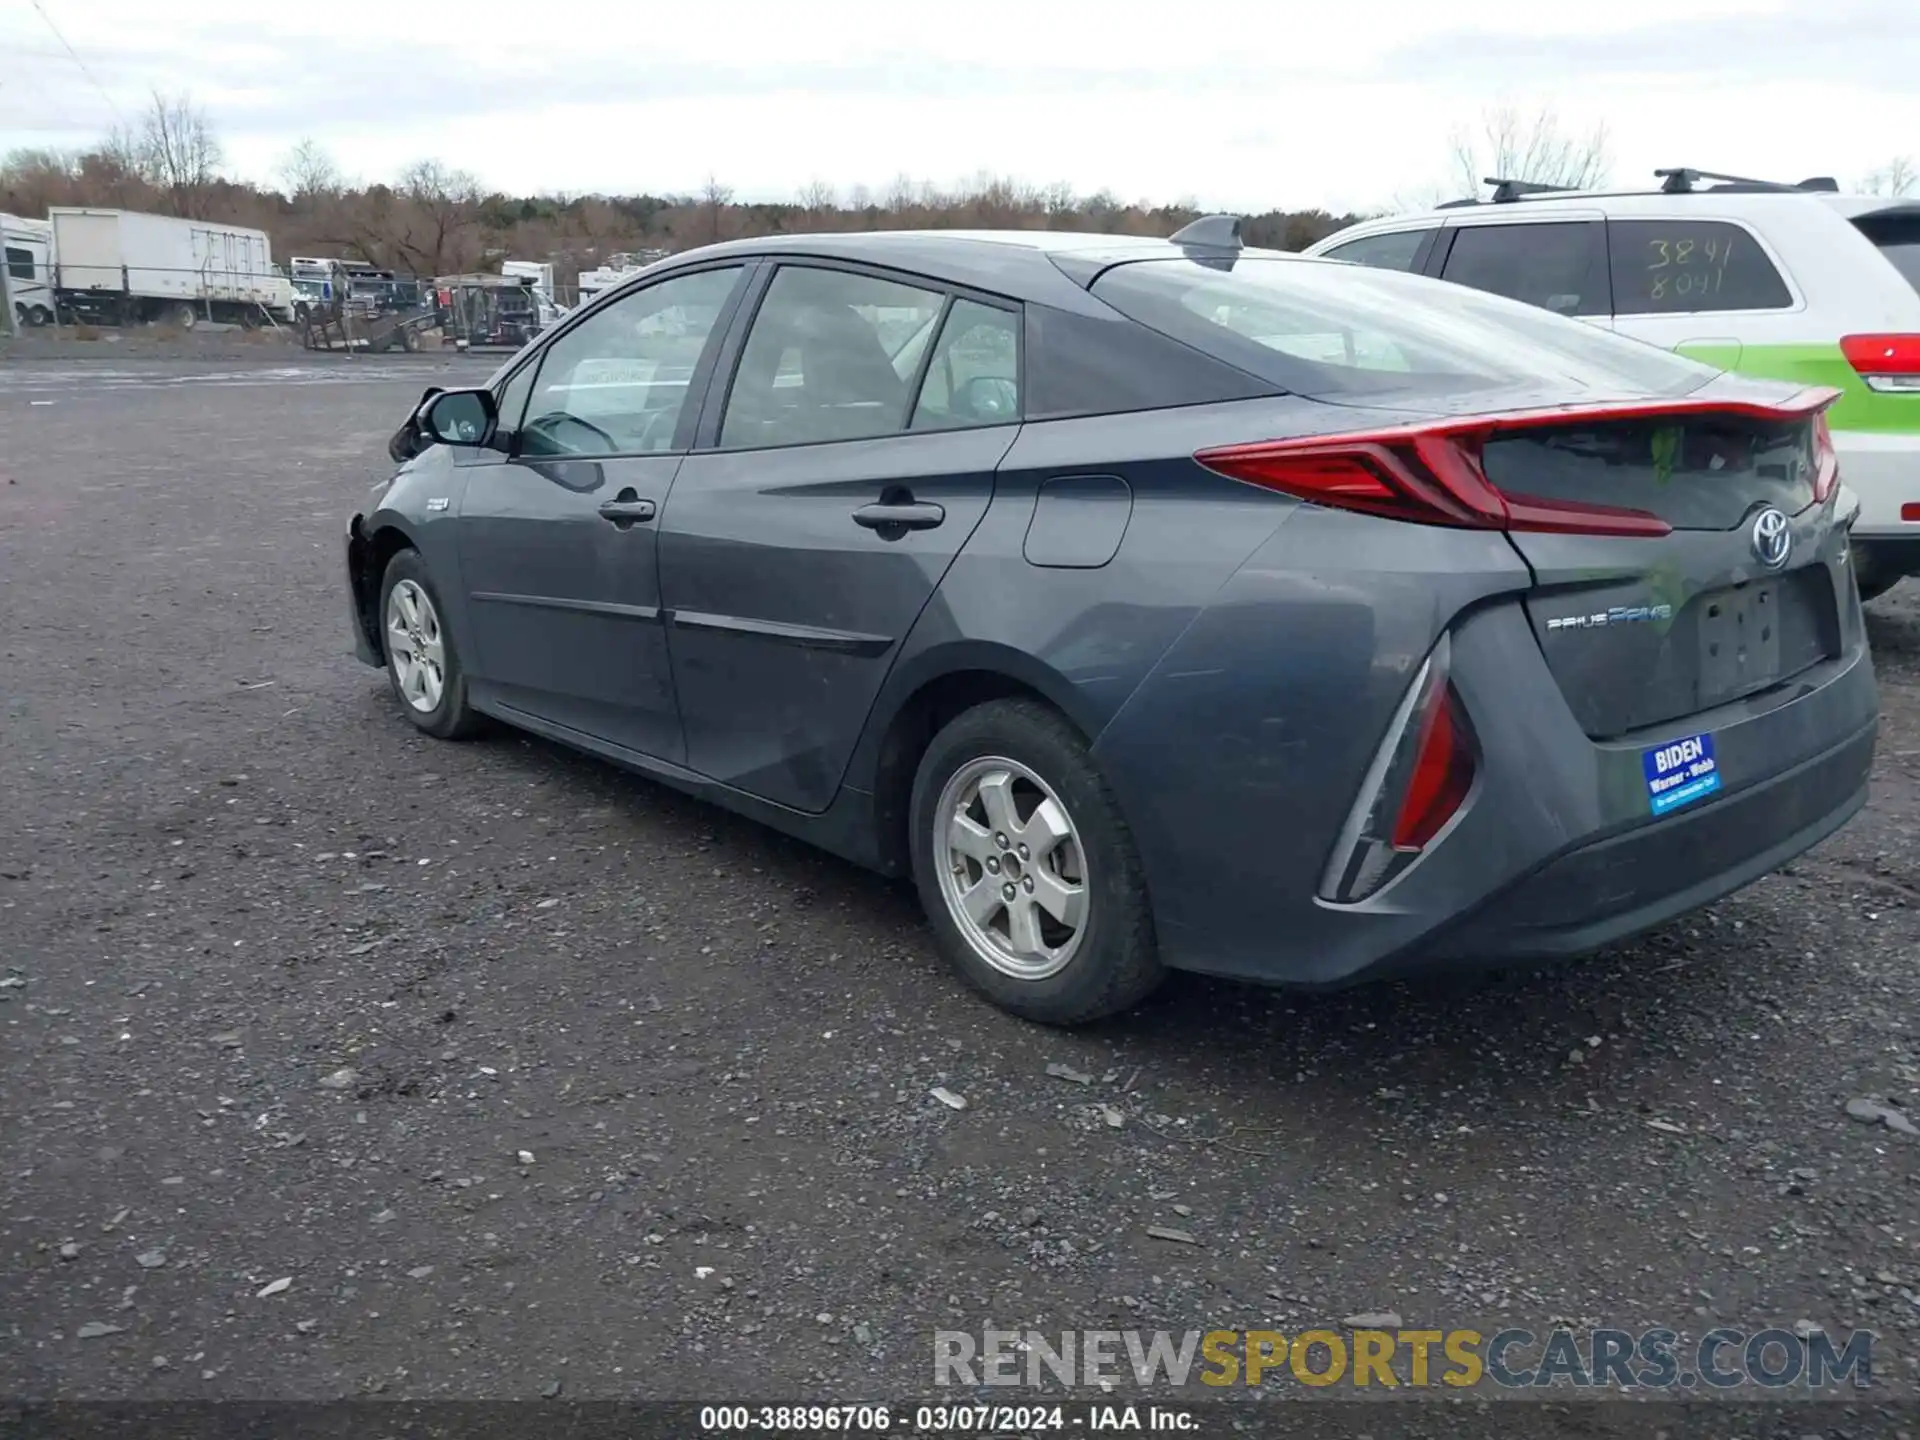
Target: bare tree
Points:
(309, 172)
(714, 199)
(33, 180)
(1509, 146)
(1059, 201)
(178, 153)
(438, 218)
(1898, 177)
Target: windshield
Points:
(1322, 329)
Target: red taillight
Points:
(1885, 362)
(1826, 460)
(1431, 474)
(1442, 773)
(1420, 777)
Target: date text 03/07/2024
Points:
(960, 1419)
(1680, 772)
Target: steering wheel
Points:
(555, 420)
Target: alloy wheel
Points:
(1012, 870)
(415, 646)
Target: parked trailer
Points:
(29, 259)
(120, 266)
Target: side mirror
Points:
(407, 441)
(990, 398)
(459, 417)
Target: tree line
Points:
(436, 219)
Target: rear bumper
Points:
(1555, 853)
(1884, 471)
(1609, 890)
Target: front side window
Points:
(831, 356)
(1332, 330)
(1682, 267)
(1559, 267)
(1394, 251)
(19, 263)
(974, 376)
(617, 382)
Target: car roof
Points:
(1019, 264)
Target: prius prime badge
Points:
(1772, 540)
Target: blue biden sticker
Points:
(1680, 772)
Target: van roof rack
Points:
(1684, 180)
(1505, 192)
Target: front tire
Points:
(1027, 870)
(422, 664)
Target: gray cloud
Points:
(1874, 44)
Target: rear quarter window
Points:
(1896, 235)
(1683, 267)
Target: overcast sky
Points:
(1235, 104)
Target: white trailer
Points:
(29, 260)
(120, 266)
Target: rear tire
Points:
(423, 665)
(1876, 568)
(1027, 869)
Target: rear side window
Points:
(1897, 236)
(1332, 330)
(1682, 267)
(1394, 251)
(831, 356)
(20, 263)
(1559, 267)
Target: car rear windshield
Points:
(1897, 234)
(1320, 329)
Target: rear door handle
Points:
(626, 512)
(909, 515)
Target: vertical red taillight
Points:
(1442, 773)
(1420, 779)
(1826, 460)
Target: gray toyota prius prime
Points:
(1151, 604)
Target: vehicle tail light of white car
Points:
(1420, 779)
(1888, 363)
(1431, 473)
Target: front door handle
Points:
(627, 510)
(907, 515)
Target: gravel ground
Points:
(338, 1061)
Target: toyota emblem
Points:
(1772, 539)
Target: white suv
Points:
(1790, 282)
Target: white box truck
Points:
(119, 266)
(29, 259)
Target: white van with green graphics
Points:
(1789, 282)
